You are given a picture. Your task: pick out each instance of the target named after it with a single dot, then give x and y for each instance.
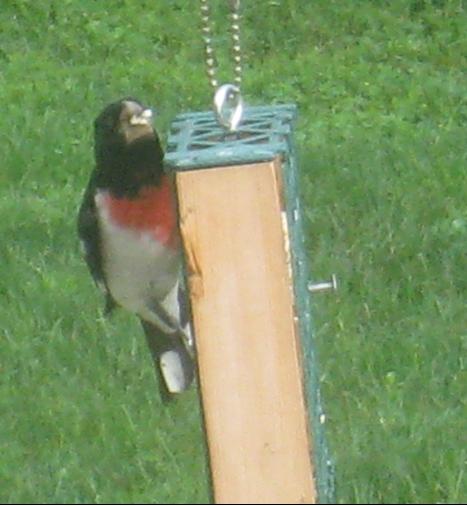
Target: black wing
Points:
(184, 304)
(88, 232)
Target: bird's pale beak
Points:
(144, 118)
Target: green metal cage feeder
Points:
(197, 141)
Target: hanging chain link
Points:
(211, 62)
(228, 103)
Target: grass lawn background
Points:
(381, 89)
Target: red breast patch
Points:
(152, 211)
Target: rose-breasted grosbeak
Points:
(128, 226)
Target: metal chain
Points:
(228, 102)
(211, 62)
(236, 47)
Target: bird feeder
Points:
(240, 220)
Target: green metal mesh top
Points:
(197, 141)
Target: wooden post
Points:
(236, 241)
(240, 218)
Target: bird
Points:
(127, 224)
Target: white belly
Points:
(138, 269)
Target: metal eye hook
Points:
(228, 106)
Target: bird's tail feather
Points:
(174, 364)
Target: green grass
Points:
(381, 90)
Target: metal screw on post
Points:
(228, 102)
(322, 286)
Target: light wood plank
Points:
(248, 349)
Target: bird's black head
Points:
(126, 146)
(123, 122)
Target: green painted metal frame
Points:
(197, 141)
